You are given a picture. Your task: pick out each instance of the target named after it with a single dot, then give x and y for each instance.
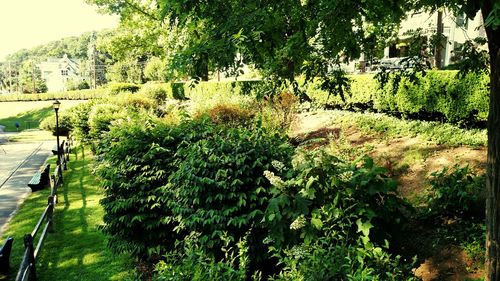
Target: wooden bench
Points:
(5, 255)
(40, 178)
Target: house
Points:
(456, 30)
(56, 72)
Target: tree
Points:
(30, 78)
(155, 70)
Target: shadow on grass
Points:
(27, 120)
(77, 249)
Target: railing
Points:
(27, 269)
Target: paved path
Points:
(18, 163)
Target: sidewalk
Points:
(18, 163)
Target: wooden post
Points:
(50, 213)
(28, 244)
(5, 251)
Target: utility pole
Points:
(95, 68)
(10, 79)
(439, 40)
(33, 76)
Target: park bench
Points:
(40, 178)
(5, 255)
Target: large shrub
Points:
(456, 192)
(219, 185)
(65, 125)
(79, 117)
(100, 118)
(163, 182)
(158, 92)
(328, 220)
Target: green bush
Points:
(100, 118)
(117, 88)
(328, 219)
(65, 125)
(219, 185)
(79, 117)
(192, 263)
(456, 192)
(133, 102)
(158, 92)
(154, 173)
(438, 95)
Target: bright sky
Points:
(28, 23)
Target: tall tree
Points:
(30, 78)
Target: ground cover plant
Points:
(392, 127)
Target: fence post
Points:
(50, 213)
(61, 156)
(28, 244)
(59, 175)
(5, 255)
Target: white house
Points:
(456, 30)
(57, 71)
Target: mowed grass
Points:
(77, 249)
(28, 114)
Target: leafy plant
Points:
(456, 192)
(230, 114)
(219, 186)
(163, 182)
(65, 125)
(327, 218)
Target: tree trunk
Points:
(439, 41)
(493, 168)
(201, 67)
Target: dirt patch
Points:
(449, 264)
(322, 133)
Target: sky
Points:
(29, 23)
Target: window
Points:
(64, 72)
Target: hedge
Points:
(69, 95)
(438, 95)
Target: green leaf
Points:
(364, 227)
(317, 223)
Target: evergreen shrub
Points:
(117, 88)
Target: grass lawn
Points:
(77, 249)
(32, 136)
(28, 114)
